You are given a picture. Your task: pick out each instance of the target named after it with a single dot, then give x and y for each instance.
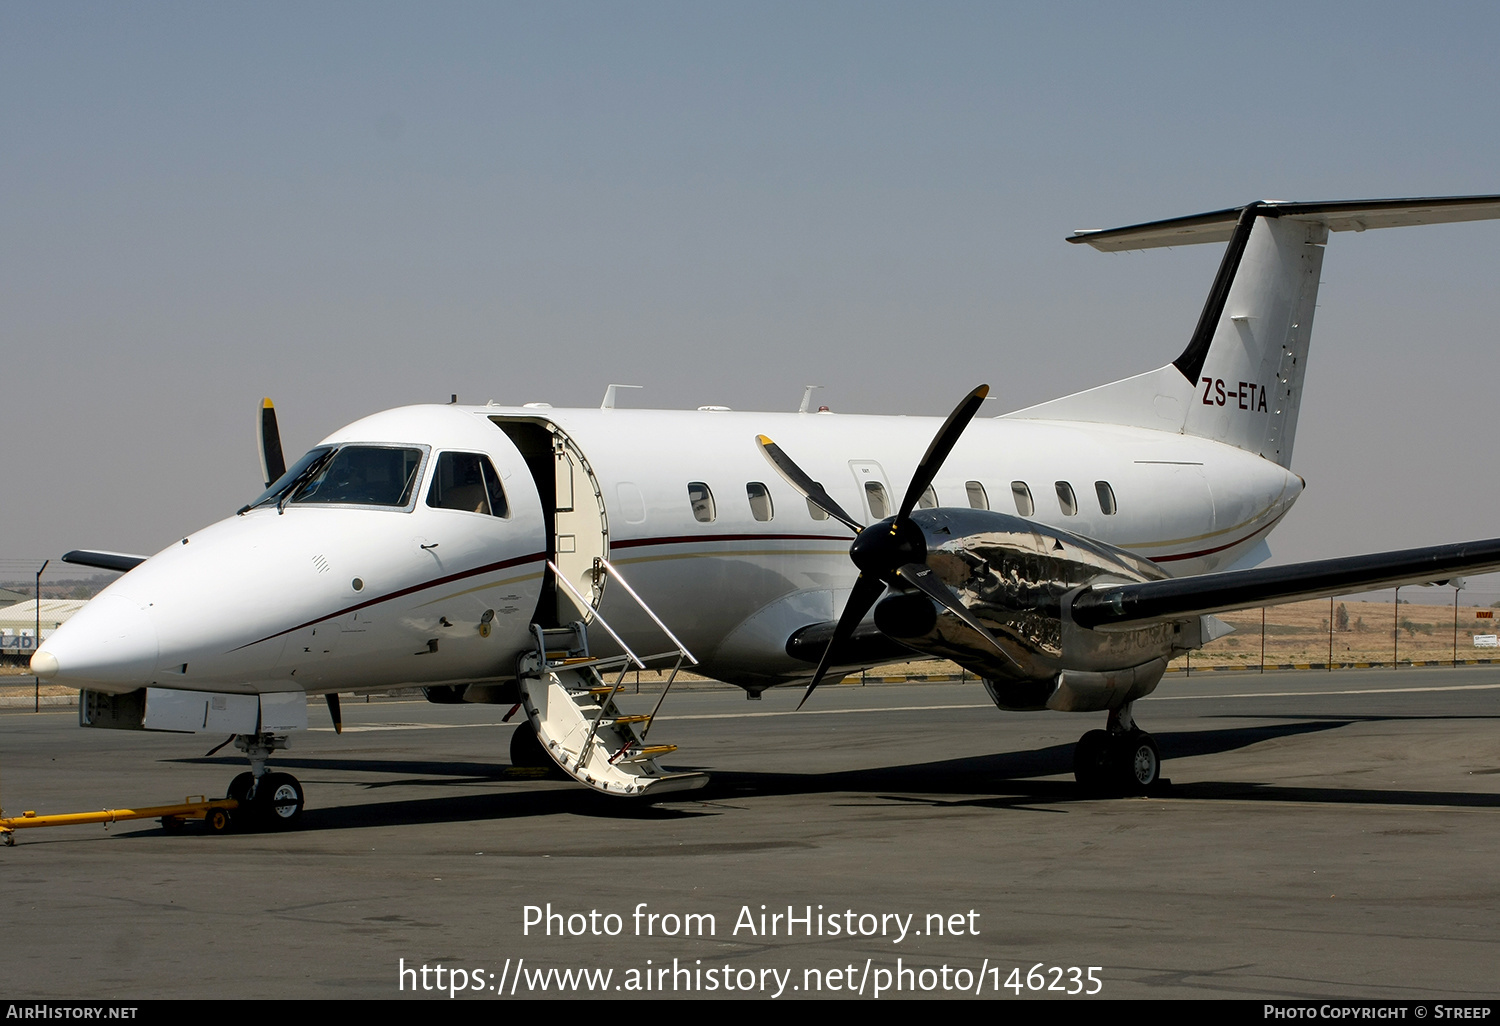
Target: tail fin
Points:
(1239, 381)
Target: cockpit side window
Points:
(467, 481)
(364, 475)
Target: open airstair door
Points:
(571, 707)
(573, 504)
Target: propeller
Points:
(894, 551)
(268, 436)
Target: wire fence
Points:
(1400, 629)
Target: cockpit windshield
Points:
(363, 475)
(353, 475)
(294, 474)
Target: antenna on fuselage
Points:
(609, 395)
(807, 392)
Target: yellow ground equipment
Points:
(214, 813)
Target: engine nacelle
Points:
(1078, 690)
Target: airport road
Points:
(1323, 835)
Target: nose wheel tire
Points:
(275, 803)
(1105, 763)
(279, 801)
(239, 790)
(240, 787)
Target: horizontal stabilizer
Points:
(1336, 215)
(1172, 599)
(120, 561)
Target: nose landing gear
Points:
(1120, 760)
(267, 801)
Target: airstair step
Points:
(572, 709)
(646, 754)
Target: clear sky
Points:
(350, 206)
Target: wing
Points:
(1107, 605)
(121, 561)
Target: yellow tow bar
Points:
(214, 813)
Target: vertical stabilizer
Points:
(1239, 381)
(1246, 362)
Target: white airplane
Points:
(518, 555)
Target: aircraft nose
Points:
(109, 641)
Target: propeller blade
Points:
(921, 577)
(810, 489)
(942, 445)
(866, 590)
(334, 713)
(272, 462)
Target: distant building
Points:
(18, 623)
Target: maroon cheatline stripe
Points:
(475, 572)
(682, 539)
(1220, 548)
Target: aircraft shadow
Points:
(1007, 780)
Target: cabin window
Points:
(815, 511)
(364, 475)
(1066, 499)
(760, 501)
(702, 501)
(1106, 498)
(929, 499)
(467, 481)
(977, 498)
(1024, 506)
(880, 506)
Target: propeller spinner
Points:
(894, 551)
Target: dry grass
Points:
(1376, 632)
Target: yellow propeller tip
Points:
(764, 440)
(266, 403)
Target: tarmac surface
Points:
(1323, 835)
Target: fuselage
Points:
(349, 595)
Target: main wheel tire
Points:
(527, 752)
(280, 801)
(1139, 762)
(1091, 761)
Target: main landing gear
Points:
(1120, 760)
(268, 801)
